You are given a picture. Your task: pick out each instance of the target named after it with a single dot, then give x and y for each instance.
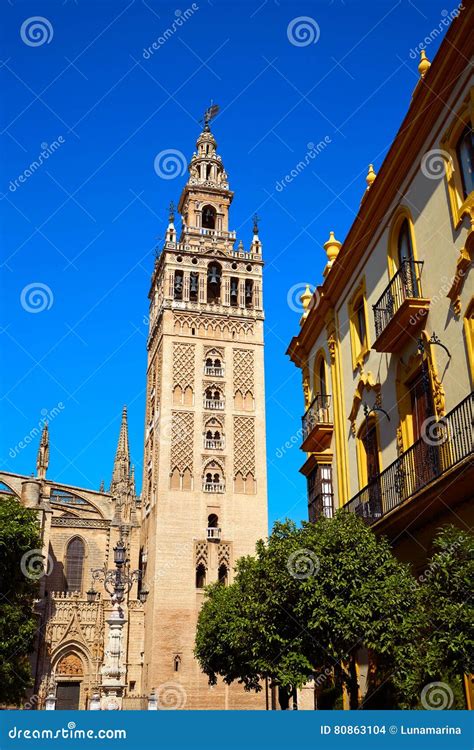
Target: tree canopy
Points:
(312, 597)
(19, 535)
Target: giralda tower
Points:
(204, 486)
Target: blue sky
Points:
(85, 224)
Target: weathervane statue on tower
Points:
(209, 114)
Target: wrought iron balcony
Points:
(401, 310)
(214, 372)
(446, 443)
(214, 404)
(213, 445)
(213, 534)
(317, 425)
(218, 487)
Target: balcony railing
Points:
(213, 487)
(214, 372)
(317, 424)
(213, 445)
(213, 534)
(447, 442)
(400, 308)
(214, 404)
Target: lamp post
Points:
(117, 582)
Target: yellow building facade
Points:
(386, 340)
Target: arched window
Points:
(214, 274)
(209, 217)
(322, 378)
(369, 467)
(200, 576)
(193, 286)
(176, 663)
(178, 285)
(212, 521)
(223, 575)
(404, 243)
(465, 156)
(75, 554)
(248, 293)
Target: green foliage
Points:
(312, 597)
(305, 604)
(445, 650)
(19, 533)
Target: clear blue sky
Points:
(86, 222)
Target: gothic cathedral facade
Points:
(204, 483)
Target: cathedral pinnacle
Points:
(42, 460)
(121, 470)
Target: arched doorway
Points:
(69, 674)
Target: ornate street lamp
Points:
(117, 581)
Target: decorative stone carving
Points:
(244, 445)
(182, 432)
(244, 366)
(183, 365)
(80, 523)
(70, 665)
(366, 382)
(213, 327)
(223, 553)
(200, 554)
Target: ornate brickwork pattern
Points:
(244, 368)
(213, 327)
(182, 432)
(244, 446)
(223, 552)
(183, 365)
(200, 554)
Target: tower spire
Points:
(42, 459)
(121, 470)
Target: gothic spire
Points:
(121, 470)
(42, 459)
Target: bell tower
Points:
(204, 484)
